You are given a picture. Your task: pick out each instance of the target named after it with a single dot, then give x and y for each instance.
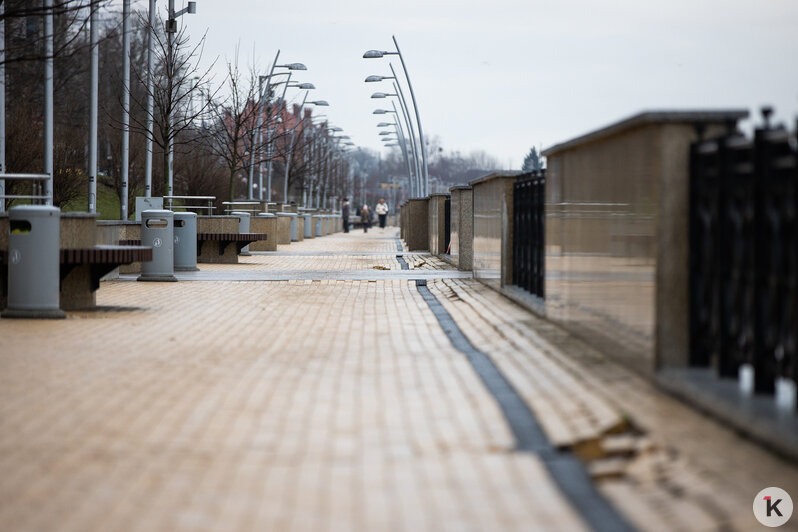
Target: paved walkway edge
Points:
(566, 470)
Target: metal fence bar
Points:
(529, 233)
(744, 257)
(36, 187)
(210, 199)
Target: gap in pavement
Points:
(566, 470)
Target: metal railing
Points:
(209, 199)
(39, 192)
(529, 232)
(242, 206)
(744, 257)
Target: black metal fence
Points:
(529, 232)
(447, 225)
(744, 255)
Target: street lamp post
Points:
(379, 53)
(150, 102)
(171, 29)
(48, 99)
(405, 113)
(2, 105)
(269, 132)
(93, 105)
(412, 144)
(320, 103)
(403, 145)
(123, 214)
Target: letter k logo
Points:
(772, 506)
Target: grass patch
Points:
(107, 203)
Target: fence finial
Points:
(700, 128)
(766, 112)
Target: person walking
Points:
(382, 211)
(365, 217)
(345, 214)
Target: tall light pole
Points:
(320, 103)
(150, 101)
(402, 144)
(398, 94)
(125, 106)
(48, 99)
(380, 53)
(257, 134)
(406, 114)
(171, 29)
(93, 105)
(412, 146)
(269, 135)
(2, 104)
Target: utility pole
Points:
(125, 106)
(93, 105)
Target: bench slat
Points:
(98, 255)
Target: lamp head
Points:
(192, 8)
(306, 86)
(373, 54)
(321, 103)
(296, 66)
(372, 79)
(379, 111)
(377, 95)
(385, 132)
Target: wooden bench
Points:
(229, 245)
(81, 270)
(227, 239)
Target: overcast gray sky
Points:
(503, 75)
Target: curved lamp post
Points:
(375, 54)
(415, 181)
(405, 113)
(320, 103)
(256, 136)
(289, 66)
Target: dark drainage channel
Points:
(399, 244)
(402, 262)
(566, 470)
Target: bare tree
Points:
(176, 79)
(23, 27)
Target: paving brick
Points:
(300, 405)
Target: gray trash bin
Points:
(317, 221)
(243, 227)
(294, 227)
(308, 226)
(185, 242)
(157, 231)
(33, 262)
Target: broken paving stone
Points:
(620, 444)
(607, 468)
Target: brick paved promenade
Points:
(336, 401)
